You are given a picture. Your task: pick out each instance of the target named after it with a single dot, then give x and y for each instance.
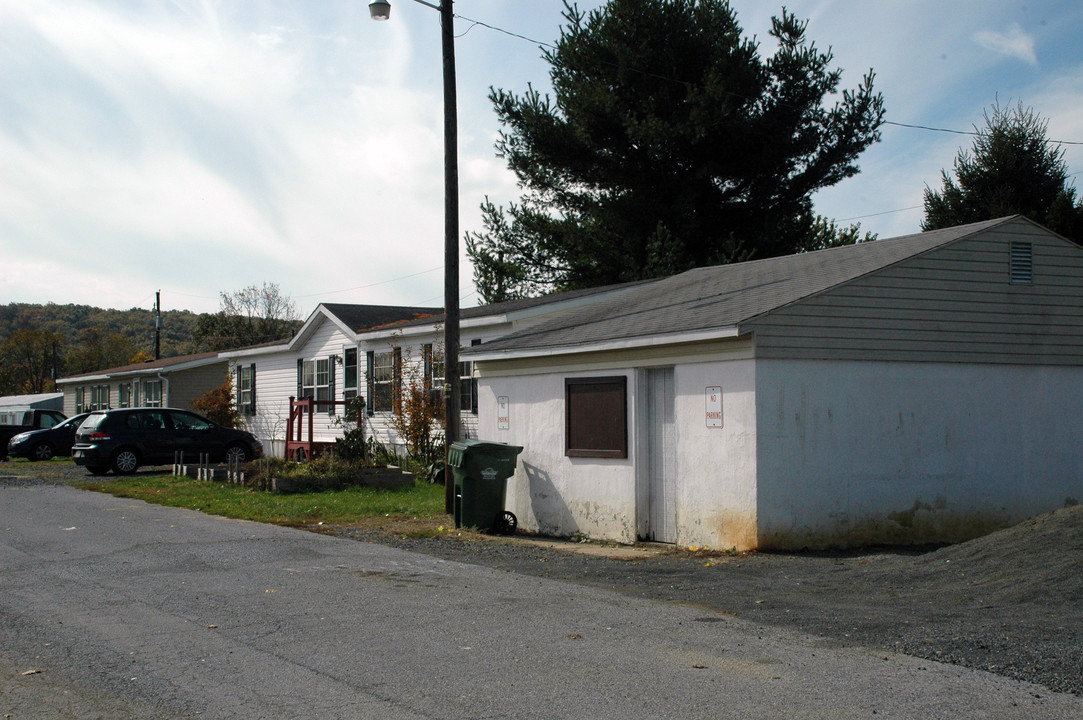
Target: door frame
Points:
(644, 531)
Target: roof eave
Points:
(161, 370)
(724, 333)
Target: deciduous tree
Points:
(249, 316)
(30, 357)
(218, 405)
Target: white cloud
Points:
(198, 146)
(1014, 43)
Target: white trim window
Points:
(124, 395)
(350, 372)
(246, 389)
(316, 380)
(385, 373)
(99, 397)
(152, 393)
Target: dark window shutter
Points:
(300, 376)
(252, 405)
(474, 383)
(370, 369)
(331, 384)
(426, 354)
(396, 383)
(237, 381)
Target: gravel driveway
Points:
(1010, 603)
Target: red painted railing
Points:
(299, 444)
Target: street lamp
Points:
(381, 10)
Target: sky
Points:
(193, 147)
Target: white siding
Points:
(602, 498)
(276, 382)
(858, 452)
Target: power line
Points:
(972, 133)
(885, 212)
(370, 285)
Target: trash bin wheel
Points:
(505, 523)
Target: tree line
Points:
(41, 343)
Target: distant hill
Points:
(72, 322)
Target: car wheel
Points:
(96, 469)
(125, 462)
(42, 451)
(236, 454)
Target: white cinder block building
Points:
(916, 389)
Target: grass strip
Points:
(349, 505)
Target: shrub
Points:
(218, 406)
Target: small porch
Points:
(300, 445)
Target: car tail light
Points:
(98, 436)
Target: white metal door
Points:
(662, 456)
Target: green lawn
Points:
(356, 504)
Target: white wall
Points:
(551, 493)
(276, 382)
(716, 467)
(858, 452)
(557, 495)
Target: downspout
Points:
(165, 389)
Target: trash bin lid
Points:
(461, 449)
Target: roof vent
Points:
(1021, 269)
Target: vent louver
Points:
(1021, 263)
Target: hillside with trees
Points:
(39, 343)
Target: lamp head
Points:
(380, 9)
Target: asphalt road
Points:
(113, 608)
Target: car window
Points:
(147, 420)
(51, 419)
(92, 421)
(72, 423)
(188, 421)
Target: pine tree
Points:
(669, 143)
(1012, 169)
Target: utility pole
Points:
(158, 325)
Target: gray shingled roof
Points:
(369, 317)
(513, 306)
(724, 296)
(160, 364)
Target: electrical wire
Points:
(551, 46)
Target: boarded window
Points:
(596, 417)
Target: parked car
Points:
(24, 420)
(45, 444)
(124, 439)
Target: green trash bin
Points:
(481, 470)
